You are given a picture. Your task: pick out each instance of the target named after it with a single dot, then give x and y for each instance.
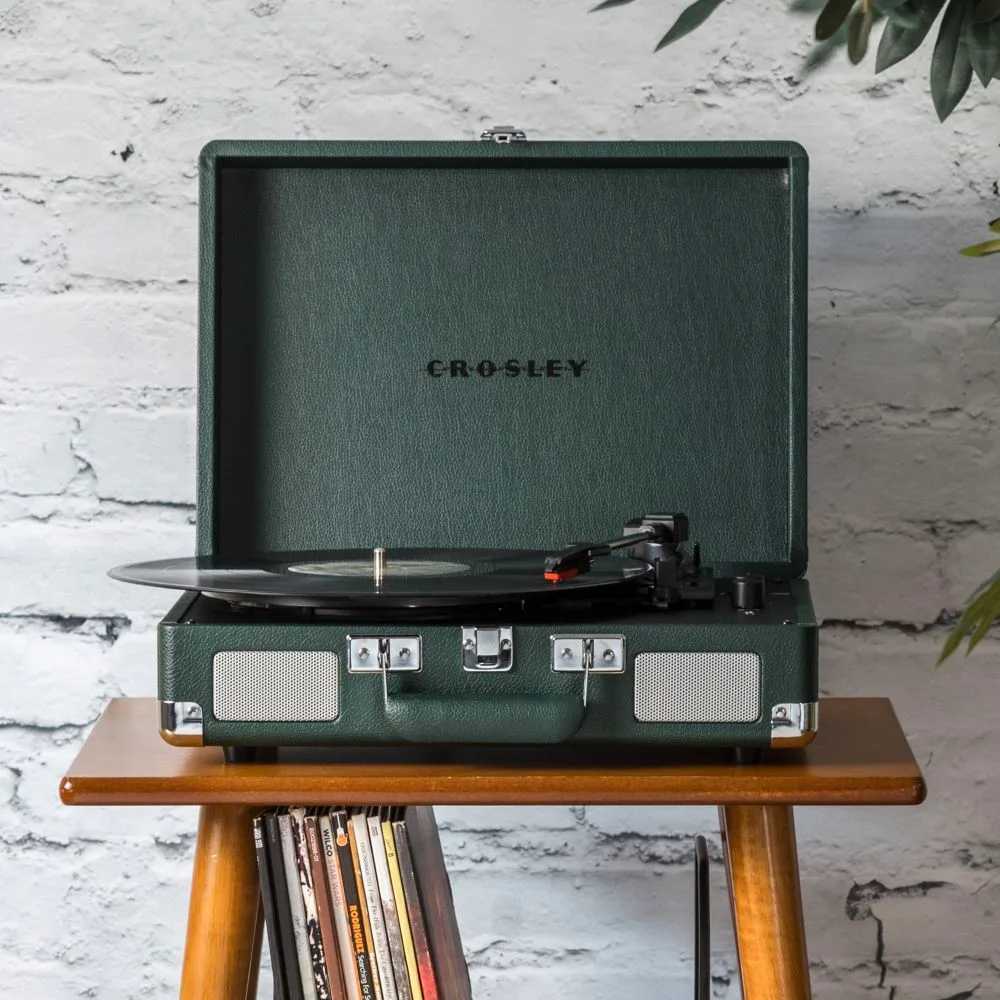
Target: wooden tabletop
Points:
(860, 757)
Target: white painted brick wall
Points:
(97, 336)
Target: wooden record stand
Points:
(860, 757)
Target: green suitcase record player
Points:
(433, 378)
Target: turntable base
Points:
(860, 757)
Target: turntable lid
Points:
(448, 344)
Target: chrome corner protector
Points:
(794, 724)
(181, 723)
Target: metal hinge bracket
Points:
(503, 134)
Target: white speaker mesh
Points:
(697, 687)
(271, 686)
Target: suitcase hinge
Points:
(503, 134)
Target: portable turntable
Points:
(433, 376)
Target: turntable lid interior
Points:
(448, 344)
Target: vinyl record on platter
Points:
(397, 578)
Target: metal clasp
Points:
(503, 134)
(402, 652)
(489, 649)
(591, 654)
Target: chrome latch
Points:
(369, 654)
(591, 654)
(602, 654)
(489, 649)
(503, 134)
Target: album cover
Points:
(314, 937)
(339, 906)
(392, 930)
(414, 910)
(373, 907)
(324, 908)
(282, 906)
(355, 890)
(405, 931)
(266, 879)
(293, 881)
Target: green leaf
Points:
(906, 17)
(821, 53)
(983, 42)
(995, 225)
(951, 68)
(986, 615)
(981, 249)
(831, 17)
(954, 640)
(900, 11)
(859, 28)
(985, 624)
(605, 4)
(899, 41)
(690, 18)
(981, 611)
(986, 11)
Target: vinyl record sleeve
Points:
(314, 937)
(373, 905)
(354, 902)
(283, 906)
(341, 916)
(405, 930)
(373, 970)
(324, 909)
(302, 952)
(392, 930)
(414, 910)
(266, 879)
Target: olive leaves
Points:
(982, 610)
(832, 17)
(905, 32)
(858, 19)
(968, 40)
(967, 45)
(690, 18)
(859, 29)
(986, 248)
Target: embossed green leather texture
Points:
(332, 274)
(514, 346)
(530, 704)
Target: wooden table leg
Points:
(225, 919)
(763, 872)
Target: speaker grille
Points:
(697, 687)
(272, 686)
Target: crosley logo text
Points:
(511, 368)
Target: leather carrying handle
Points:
(512, 719)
